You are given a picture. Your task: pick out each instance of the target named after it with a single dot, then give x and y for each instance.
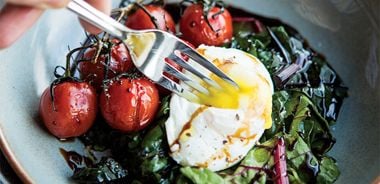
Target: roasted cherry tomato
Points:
(71, 111)
(141, 20)
(195, 28)
(129, 104)
(95, 72)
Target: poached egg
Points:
(219, 134)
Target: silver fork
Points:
(149, 50)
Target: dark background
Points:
(7, 175)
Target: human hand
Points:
(17, 16)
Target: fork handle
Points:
(97, 18)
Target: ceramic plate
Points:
(346, 31)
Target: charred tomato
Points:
(68, 109)
(151, 17)
(95, 71)
(128, 104)
(216, 30)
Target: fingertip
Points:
(55, 3)
(89, 27)
(14, 21)
(103, 6)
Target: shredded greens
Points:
(304, 109)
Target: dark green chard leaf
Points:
(316, 78)
(323, 86)
(271, 60)
(153, 140)
(245, 30)
(294, 113)
(164, 109)
(279, 99)
(329, 171)
(283, 37)
(256, 44)
(242, 29)
(304, 167)
(106, 170)
(154, 164)
(308, 122)
(154, 155)
(300, 159)
(151, 162)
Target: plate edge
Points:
(11, 158)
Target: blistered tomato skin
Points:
(141, 20)
(129, 105)
(95, 72)
(74, 109)
(195, 29)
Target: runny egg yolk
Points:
(227, 96)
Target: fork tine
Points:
(176, 88)
(192, 70)
(195, 56)
(179, 75)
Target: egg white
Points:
(217, 138)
